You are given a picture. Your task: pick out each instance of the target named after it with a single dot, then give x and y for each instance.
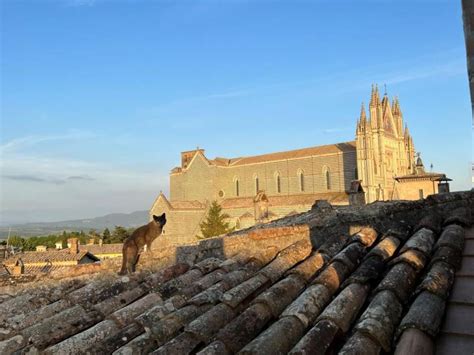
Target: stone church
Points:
(379, 165)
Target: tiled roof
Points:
(301, 199)
(357, 294)
(30, 257)
(419, 176)
(298, 153)
(97, 249)
(192, 205)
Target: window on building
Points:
(237, 191)
(328, 179)
(420, 191)
(257, 187)
(301, 181)
(278, 183)
(356, 174)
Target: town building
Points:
(381, 164)
(46, 261)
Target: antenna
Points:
(385, 88)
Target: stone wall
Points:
(323, 221)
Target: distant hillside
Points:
(129, 220)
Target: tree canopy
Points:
(215, 222)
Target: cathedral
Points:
(381, 164)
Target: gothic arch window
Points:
(278, 182)
(356, 174)
(301, 179)
(237, 188)
(257, 185)
(327, 177)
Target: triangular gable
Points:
(198, 155)
(161, 198)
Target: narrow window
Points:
(278, 184)
(256, 185)
(421, 193)
(356, 174)
(328, 180)
(301, 182)
(237, 192)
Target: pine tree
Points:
(106, 237)
(215, 223)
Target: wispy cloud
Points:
(80, 178)
(28, 141)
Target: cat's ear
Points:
(156, 218)
(163, 215)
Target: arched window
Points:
(356, 174)
(278, 182)
(237, 191)
(327, 177)
(301, 175)
(257, 187)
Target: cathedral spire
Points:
(374, 97)
(363, 117)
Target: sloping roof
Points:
(301, 199)
(97, 249)
(190, 205)
(431, 176)
(358, 294)
(298, 153)
(31, 257)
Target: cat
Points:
(141, 237)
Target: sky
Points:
(99, 97)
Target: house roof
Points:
(31, 257)
(361, 293)
(425, 175)
(97, 249)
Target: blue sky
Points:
(100, 97)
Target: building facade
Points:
(261, 188)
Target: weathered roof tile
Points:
(453, 237)
(425, 314)
(345, 307)
(317, 340)
(309, 304)
(400, 280)
(380, 318)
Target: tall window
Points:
(278, 183)
(328, 180)
(237, 191)
(301, 181)
(257, 188)
(356, 174)
(420, 191)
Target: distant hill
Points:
(127, 220)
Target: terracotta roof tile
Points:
(359, 293)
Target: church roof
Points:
(367, 291)
(301, 199)
(298, 153)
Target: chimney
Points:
(59, 245)
(73, 244)
(41, 248)
(101, 241)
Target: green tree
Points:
(106, 236)
(215, 223)
(16, 241)
(119, 235)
